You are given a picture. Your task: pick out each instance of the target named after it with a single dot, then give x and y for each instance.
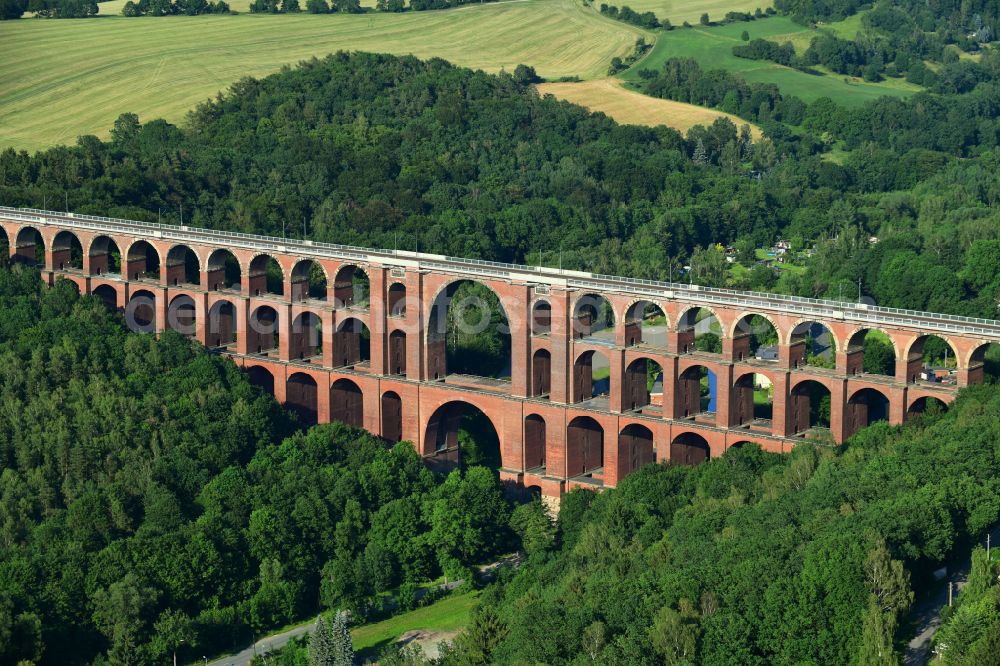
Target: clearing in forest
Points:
(609, 96)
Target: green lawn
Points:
(712, 48)
(63, 78)
(447, 615)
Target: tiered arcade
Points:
(353, 334)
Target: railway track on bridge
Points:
(859, 313)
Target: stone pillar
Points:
(377, 318)
(793, 355)
(284, 330)
(518, 306)
(611, 461)
(562, 364)
(328, 338)
(616, 381)
(736, 349)
(723, 391)
(897, 406)
(779, 407)
(201, 318)
(242, 307)
(323, 399)
(908, 369)
(838, 411)
(161, 308)
(669, 391)
(414, 326)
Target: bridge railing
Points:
(858, 312)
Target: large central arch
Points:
(468, 332)
(460, 434)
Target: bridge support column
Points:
(376, 318)
(792, 355)
(974, 374)
(517, 302)
(560, 334)
(723, 392)
(616, 379)
(669, 391)
(284, 330)
(838, 411)
(779, 405)
(415, 367)
(736, 349)
(897, 406)
(851, 362)
(329, 337)
(323, 400)
(242, 307)
(161, 308)
(611, 461)
(908, 369)
(201, 318)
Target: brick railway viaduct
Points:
(379, 362)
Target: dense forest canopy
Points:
(383, 151)
(150, 494)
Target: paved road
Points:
(926, 616)
(266, 644)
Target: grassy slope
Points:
(448, 614)
(627, 106)
(679, 11)
(712, 48)
(64, 78)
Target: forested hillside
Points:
(386, 151)
(152, 499)
(757, 558)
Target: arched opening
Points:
(105, 257)
(107, 295)
(871, 352)
(396, 300)
(300, 397)
(142, 262)
(224, 271)
(698, 329)
(306, 341)
(646, 324)
(222, 327)
(181, 315)
(812, 344)
(347, 403)
(808, 407)
(926, 407)
(755, 337)
(635, 448)
(534, 444)
(541, 373)
(689, 448)
(591, 376)
(468, 333)
(593, 317)
(140, 313)
(67, 252)
(932, 360)
(541, 318)
(696, 394)
(392, 417)
(308, 281)
(29, 247)
(351, 288)
(866, 406)
(752, 399)
(642, 377)
(585, 449)
(183, 267)
(262, 330)
(4, 245)
(265, 276)
(397, 353)
(461, 435)
(351, 344)
(261, 377)
(984, 364)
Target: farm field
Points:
(712, 48)
(679, 11)
(61, 78)
(609, 96)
